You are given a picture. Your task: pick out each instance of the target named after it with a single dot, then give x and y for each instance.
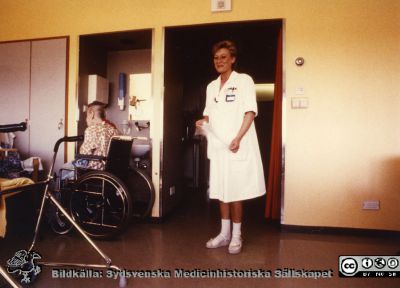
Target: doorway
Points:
(188, 70)
(106, 56)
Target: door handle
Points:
(61, 124)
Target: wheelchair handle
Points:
(13, 127)
(67, 139)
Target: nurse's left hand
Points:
(234, 146)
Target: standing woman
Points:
(236, 171)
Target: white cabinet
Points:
(33, 87)
(93, 88)
(15, 88)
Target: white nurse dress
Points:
(233, 176)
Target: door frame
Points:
(283, 112)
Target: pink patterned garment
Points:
(97, 139)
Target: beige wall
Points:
(343, 149)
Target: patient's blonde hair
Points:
(99, 109)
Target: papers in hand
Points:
(212, 137)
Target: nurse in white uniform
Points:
(236, 171)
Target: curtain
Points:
(273, 199)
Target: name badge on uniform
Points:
(230, 97)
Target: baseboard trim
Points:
(340, 231)
(155, 220)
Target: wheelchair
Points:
(97, 204)
(103, 202)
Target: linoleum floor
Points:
(177, 246)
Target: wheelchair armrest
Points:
(90, 157)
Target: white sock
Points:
(236, 230)
(226, 228)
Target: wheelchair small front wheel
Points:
(101, 204)
(58, 222)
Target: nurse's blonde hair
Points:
(230, 45)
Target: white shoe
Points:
(217, 242)
(235, 247)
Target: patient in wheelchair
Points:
(97, 138)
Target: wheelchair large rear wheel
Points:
(101, 204)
